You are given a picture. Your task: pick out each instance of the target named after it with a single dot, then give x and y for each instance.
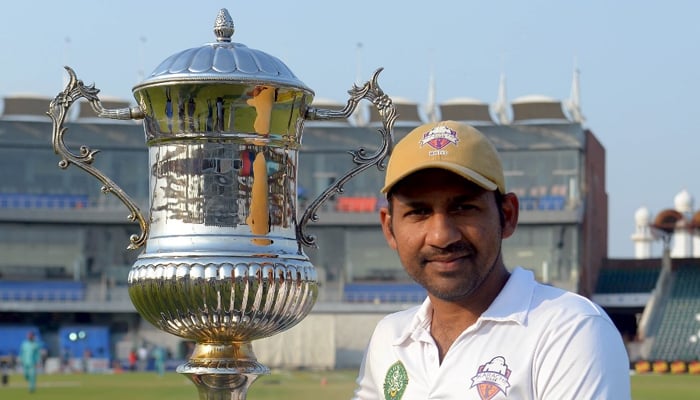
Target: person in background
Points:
(484, 331)
(133, 358)
(43, 356)
(159, 360)
(29, 357)
(85, 361)
(143, 357)
(65, 361)
(4, 371)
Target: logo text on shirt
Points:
(492, 378)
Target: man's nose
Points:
(443, 230)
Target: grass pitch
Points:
(663, 387)
(297, 385)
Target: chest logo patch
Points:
(492, 378)
(395, 381)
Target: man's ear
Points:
(387, 229)
(511, 209)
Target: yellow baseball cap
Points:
(451, 146)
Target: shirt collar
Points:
(511, 304)
(419, 325)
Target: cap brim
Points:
(465, 173)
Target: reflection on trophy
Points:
(222, 261)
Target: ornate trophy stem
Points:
(372, 92)
(223, 371)
(58, 111)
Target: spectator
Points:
(5, 370)
(65, 360)
(159, 360)
(132, 360)
(44, 355)
(143, 357)
(87, 354)
(29, 356)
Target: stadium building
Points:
(65, 263)
(655, 295)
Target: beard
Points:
(457, 285)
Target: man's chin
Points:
(450, 293)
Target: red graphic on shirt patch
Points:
(492, 378)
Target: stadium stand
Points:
(551, 203)
(77, 340)
(356, 204)
(375, 292)
(678, 334)
(19, 200)
(42, 291)
(637, 280)
(528, 203)
(12, 337)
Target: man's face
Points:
(447, 231)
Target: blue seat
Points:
(373, 292)
(552, 203)
(42, 291)
(22, 200)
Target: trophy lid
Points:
(223, 62)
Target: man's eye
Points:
(465, 207)
(418, 211)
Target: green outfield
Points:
(298, 385)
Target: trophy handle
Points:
(58, 110)
(372, 92)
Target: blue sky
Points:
(638, 63)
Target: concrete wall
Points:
(322, 340)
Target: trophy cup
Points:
(222, 261)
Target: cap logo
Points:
(438, 138)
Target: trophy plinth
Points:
(222, 261)
(223, 371)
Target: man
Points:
(159, 360)
(65, 360)
(483, 332)
(143, 357)
(29, 356)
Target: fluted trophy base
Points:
(223, 371)
(222, 303)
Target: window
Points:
(550, 251)
(543, 180)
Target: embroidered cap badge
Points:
(439, 137)
(395, 381)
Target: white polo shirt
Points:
(534, 342)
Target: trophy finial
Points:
(223, 26)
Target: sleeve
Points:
(583, 359)
(367, 386)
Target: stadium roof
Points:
(117, 134)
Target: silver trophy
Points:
(222, 261)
